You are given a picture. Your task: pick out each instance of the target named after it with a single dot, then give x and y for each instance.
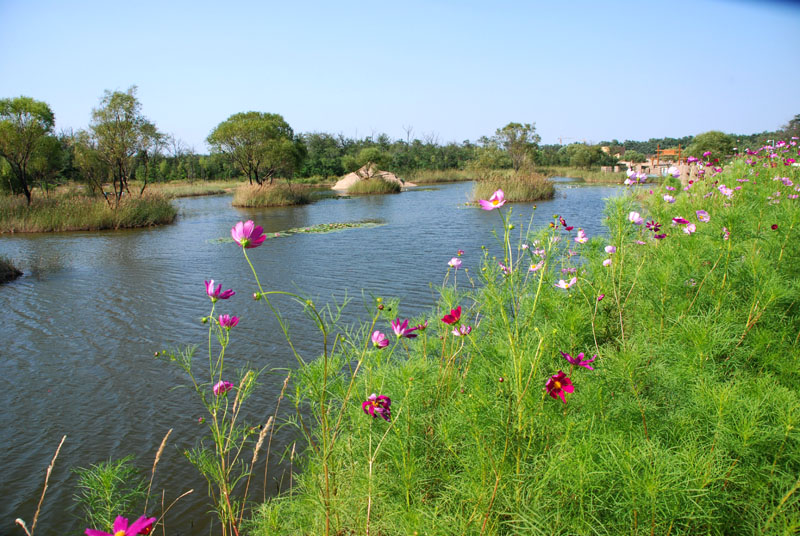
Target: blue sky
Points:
(453, 70)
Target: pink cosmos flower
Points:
(461, 331)
(221, 387)
(143, 525)
(455, 262)
(248, 234)
(228, 321)
(536, 267)
(703, 216)
(675, 172)
(689, 229)
(421, 327)
(668, 198)
(376, 405)
(496, 201)
(460, 252)
(707, 153)
(558, 384)
(611, 249)
(453, 317)
(679, 221)
(401, 329)
(635, 218)
(670, 188)
(692, 159)
(564, 284)
(607, 262)
(579, 360)
(379, 339)
(505, 269)
(581, 238)
(217, 294)
(600, 297)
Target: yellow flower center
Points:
(495, 201)
(557, 384)
(119, 533)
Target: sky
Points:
(442, 70)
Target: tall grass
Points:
(81, 213)
(689, 422)
(276, 195)
(433, 176)
(190, 189)
(522, 186)
(374, 185)
(588, 175)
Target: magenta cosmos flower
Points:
(402, 329)
(497, 200)
(461, 331)
(566, 284)
(453, 317)
(247, 234)
(221, 387)
(455, 262)
(143, 525)
(379, 339)
(228, 321)
(579, 360)
(376, 405)
(558, 384)
(217, 293)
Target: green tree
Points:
(792, 128)
(719, 143)
(25, 123)
(520, 141)
(121, 133)
(634, 156)
(261, 145)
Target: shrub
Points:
(8, 271)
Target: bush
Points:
(276, 195)
(374, 185)
(520, 187)
(8, 271)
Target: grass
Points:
(277, 195)
(72, 212)
(428, 176)
(520, 187)
(588, 175)
(689, 422)
(8, 272)
(374, 185)
(190, 189)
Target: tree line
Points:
(121, 146)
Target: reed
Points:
(82, 213)
(520, 187)
(374, 185)
(276, 195)
(434, 176)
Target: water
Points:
(80, 328)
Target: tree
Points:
(261, 145)
(792, 128)
(520, 141)
(121, 133)
(634, 156)
(25, 123)
(719, 143)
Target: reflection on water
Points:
(80, 328)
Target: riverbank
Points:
(82, 213)
(632, 384)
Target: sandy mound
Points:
(367, 172)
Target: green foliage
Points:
(520, 141)
(634, 156)
(374, 185)
(261, 145)
(719, 143)
(26, 126)
(688, 424)
(107, 490)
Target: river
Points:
(80, 328)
